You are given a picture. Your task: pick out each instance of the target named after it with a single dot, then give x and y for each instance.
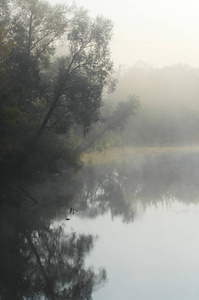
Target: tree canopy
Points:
(44, 95)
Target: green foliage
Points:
(8, 127)
(53, 154)
(44, 97)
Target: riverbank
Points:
(124, 153)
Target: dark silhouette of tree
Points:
(49, 263)
(45, 97)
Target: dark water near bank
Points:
(125, 230)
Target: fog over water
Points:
(146, 221)
(120, 220)
(118, 230)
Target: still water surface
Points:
(117, 231)
(155, 257)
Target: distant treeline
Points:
(169, 97)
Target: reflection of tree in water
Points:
(49, 263)
(62, 258)
(142, 180)
(104, 190)
(165, 178)
(39, 261)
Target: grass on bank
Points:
(125, 153)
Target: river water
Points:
(125, 230)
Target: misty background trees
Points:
(169, 105)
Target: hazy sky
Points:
(157, 32)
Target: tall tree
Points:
(68, 90)
(82, 74)
(35, 27)
(52, 93)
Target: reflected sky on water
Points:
(117, 231)
(155, 257)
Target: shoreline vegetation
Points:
(123, 153)
(52, 106)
